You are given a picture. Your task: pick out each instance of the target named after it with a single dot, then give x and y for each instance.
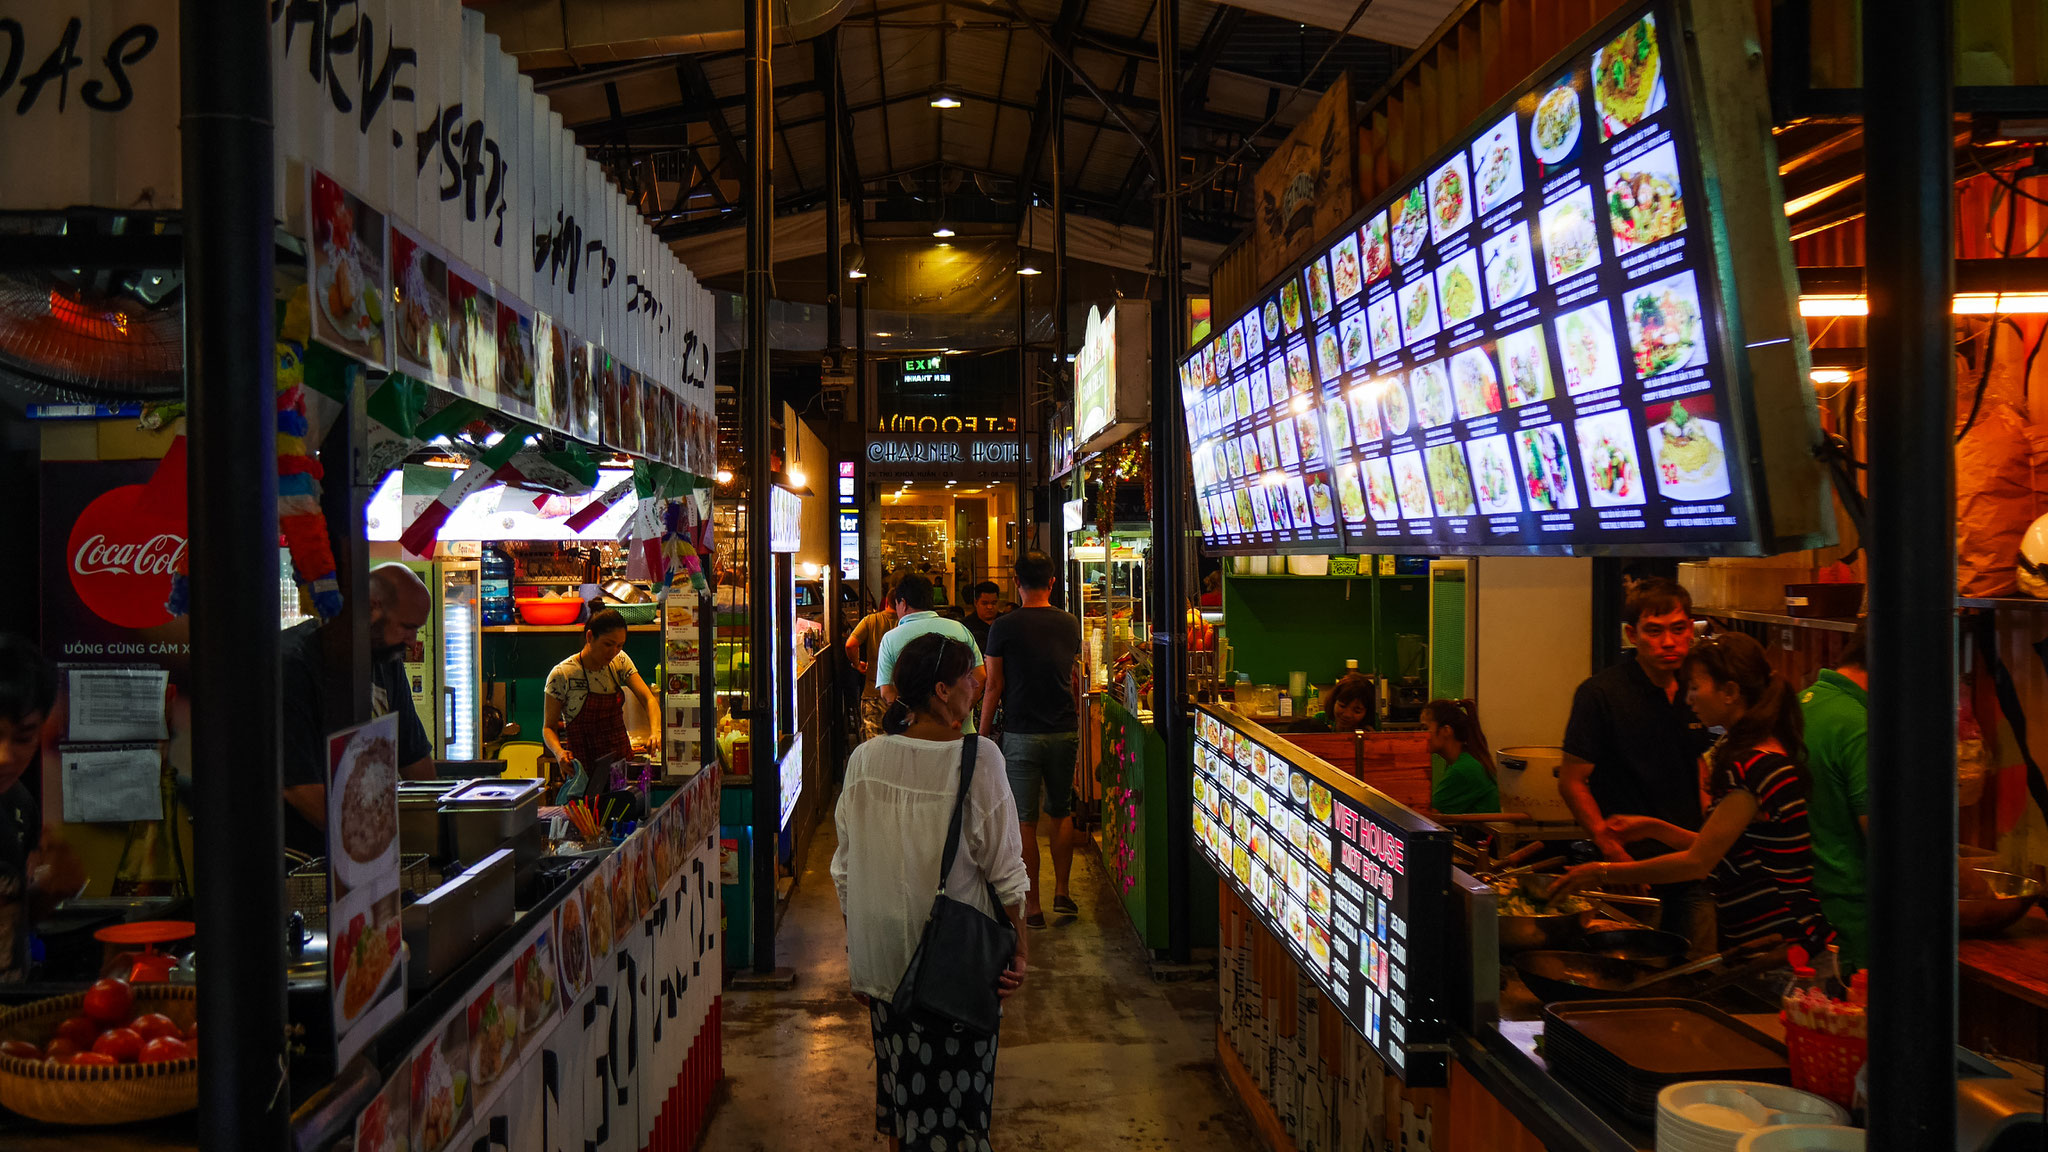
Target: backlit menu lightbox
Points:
(1527, 348)
(1355, 884)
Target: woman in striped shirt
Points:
(1754, 843)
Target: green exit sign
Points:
(925, 364)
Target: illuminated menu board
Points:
(1354, 883)
(1524, 350)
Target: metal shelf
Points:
(1779, 618)
(2023, 603)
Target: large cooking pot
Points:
(1995, 902)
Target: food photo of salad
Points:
(1664, 330)
(1408, 217)
(1644, 201)
(1628, 78)
(1350, 495)
(1607, 449)
(1525, 364)
(1497, 165)
(1546, 469)
(1383, 322)
(1493, 476)
(1431, 385)
(1365, 413)
(1418, 311)
(1380, 500)
(1411, 485)
(1570, 243)
(1554, 129)
(1475, 384)
(1450, 481)
(1450, 199)
(1510, 270)
(1338, 423)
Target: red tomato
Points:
(21, 1050)
(165, 1049)
(110, 1001)
(97, 1059)
(123, 1044)
(80, 1030)
(155, 1024)
(61, 1051)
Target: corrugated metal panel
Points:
(1403, 22)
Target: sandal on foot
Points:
(1065, 906)
(1035, 920)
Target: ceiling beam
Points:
(1072, 13)
(882, 82)
(696, 90)
(1194, 89)
(1066, 58)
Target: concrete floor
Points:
(1095, 1054)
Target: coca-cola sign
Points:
(121, 562)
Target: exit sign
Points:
(925, 364)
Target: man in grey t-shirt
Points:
(1034, 669)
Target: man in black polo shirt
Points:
(1633, 746)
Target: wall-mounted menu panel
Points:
(1531, 348)
(1354, 883)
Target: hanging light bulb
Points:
(944, 99)
(942, 232)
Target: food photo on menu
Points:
(1450, 480)
(1585, 344)
(1411, 485)
(1408, 220)
(1628, 78)
(1645, 201)
(1329, 355)
(1383, 321)
(1322, 499)
(1493, 476)
(1350, 494)
(1254, 339)
(1555, 128)
(1309, 428)
(1364, 400)
(1571, 244)
(1395, 407)
(1607, 449)
(1318, 277)
(1344, 270)
(1458, 289)
(1357, 346)
(1269, 317)
(1510, 269)
(1290, 305)
(1665, 332)
(1475, 384)
(1375, 250)
(1431, 385)
(1418, 310)
(1450, 199)
(1688, 451)
(1380, 502)
(1497, 165)
(1337, 422)
(1525, 366)
(1301, 378)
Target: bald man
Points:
(399, 607)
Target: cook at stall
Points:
(399, 607)
(1462, 775)
(1754, 841)
(586, 699)
(36, 867)
(1632, 748)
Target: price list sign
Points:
(1526, 349)
(1356, 885)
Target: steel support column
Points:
(827, 67)
(1169, 501)
(1062, 390)
(1910, 239)
(761, 660)
(230, 368)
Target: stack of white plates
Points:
(1714, 1115)
(1802, 1138)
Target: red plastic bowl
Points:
(558, 611)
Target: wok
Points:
(1995, 902)
(1588, 976)
(1643, 947)
(1519, 933)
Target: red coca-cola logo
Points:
(122, 559)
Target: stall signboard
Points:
(456, 231)
(1357, 885)
(1534, 346)
(785, 520)
(790, 773)
(362, 913)
(1111, 392)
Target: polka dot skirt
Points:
(933, 1091)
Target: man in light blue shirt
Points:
(912, 601)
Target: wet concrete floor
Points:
(1095, 1054)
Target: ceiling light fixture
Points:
(942, 232)
(1964, 304)
(1830, 375)
(856, 274)
(945, 99)
(1024, 268)
(724, 476)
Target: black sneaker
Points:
(1065, 906)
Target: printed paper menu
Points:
(1519, 348)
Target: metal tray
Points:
(1665, 1040)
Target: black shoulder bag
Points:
(951, 981)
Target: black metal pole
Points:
(761, 606)
(826, 68)
(1909, 135)
(1169, 503)
(230, 367)
(1023, 519)
(868, 562)
(1061, 392)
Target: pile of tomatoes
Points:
(109, 1032)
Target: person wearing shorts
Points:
(1034, 669)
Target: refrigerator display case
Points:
(460, 618)
(1108, 574)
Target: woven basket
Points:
(123, 1094)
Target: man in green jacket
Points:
(1837, 711)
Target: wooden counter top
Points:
(2014, 961)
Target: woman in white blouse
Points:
(932, 1089)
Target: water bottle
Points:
(496, 587)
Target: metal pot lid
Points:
(488, 793)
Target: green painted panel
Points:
(1277, 625)
(1447, 634)
(1404, 611)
